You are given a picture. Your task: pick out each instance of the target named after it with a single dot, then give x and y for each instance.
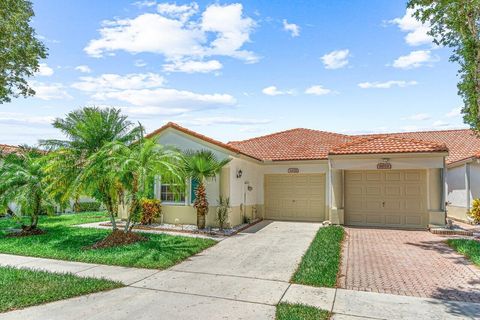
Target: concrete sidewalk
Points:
(242, 277)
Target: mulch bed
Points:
(25, 233)
(118, 238)
(206, 232)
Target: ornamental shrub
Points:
(86, 206)
(151, 210)
(475, 211)
(222, 211)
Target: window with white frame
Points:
(170, 193)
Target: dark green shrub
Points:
(86, 206)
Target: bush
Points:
(151, 210)
(475, 211)
(86, 206)
(222, 211)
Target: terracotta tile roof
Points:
(307, 144)
(5, 148)
(199, 136)
(294, 144)
(387, 144)
(462, 143)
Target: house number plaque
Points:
(384, 166)
(293, 170)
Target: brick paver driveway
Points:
(412, 263)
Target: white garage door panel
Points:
(295, 197)
(396, 198)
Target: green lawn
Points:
(286, 311)
(20, 288)
(469, 248)
(320, 264)
(65, 242)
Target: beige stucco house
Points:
(385, 180)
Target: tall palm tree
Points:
(202, 166)
(22, 180)
(87, 131)
(129, 168)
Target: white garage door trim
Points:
(390, 198)
(298, 197)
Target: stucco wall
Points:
(457, 193)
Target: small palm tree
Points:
(202, 166)
(22, 180)
(129, 168)
(87, 130)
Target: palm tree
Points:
(22, 180)
(87, 131)
(129, 168)
(202, 166)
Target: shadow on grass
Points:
(69, 243)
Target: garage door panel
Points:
(395, 198)
(295, 197)
(373, 190)
(395, 190)
(374, 219)
(393, 176)
(394, 220)
(374, 176)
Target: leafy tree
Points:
(22, 181)
(87, 130)
(202, 166)
(20, 50)
(129, 168)
(456, 24)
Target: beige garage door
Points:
(295, 197)
(393, 198)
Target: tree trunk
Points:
(201, 205)
(200, 220)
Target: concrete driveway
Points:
(411, 263)
(242, 277)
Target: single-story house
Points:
(399, 180)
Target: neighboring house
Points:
(7, 149)
(310, 175)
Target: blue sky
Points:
(234, 70)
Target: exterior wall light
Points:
(239, 173)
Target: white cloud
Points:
(387, 84)
(414, 59)
(112, 82)
(22, 118)
(455, 112)
(220, 30)
(292, 28)
(193, 66)
(418, 117)
(140, 63)
(416, 30)
(83, 68)
(336, 59)
(50, 91)
(273, 91)
(317, 90)
(144, 94)
(44, 70)
(161, 99)
(440, 123)
(206, 121)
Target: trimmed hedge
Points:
(87, 206)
